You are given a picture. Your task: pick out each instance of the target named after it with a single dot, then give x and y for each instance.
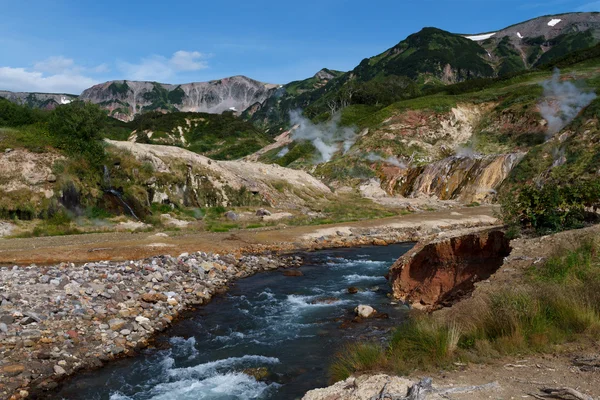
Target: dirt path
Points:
(522, 377)
(121, 246)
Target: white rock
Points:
(58, 370)
(364, 311)
(362, 388)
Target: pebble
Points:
(58, 370)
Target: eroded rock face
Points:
(439, 273)
(126, 99)
(463, 178)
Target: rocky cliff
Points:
(463, 178)
(126, 99)
(46, 101)
(539, 40)
(440, 272)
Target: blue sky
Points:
(68, 45)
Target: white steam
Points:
(283, 152)
(562, 102)
(559, 157)
(466, 152)
(390, 160)
(328, 138)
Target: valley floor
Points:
(119, 246)
(58, 315)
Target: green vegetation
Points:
(557, 302)
(551, 207)
(428, 52)
(219, 136)
(77, 128)
(511, 58)
(14, 115)
(119, 88)
(567, 43)
(345, 208)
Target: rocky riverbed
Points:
(60, 319)
(56, 320)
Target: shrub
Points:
(77, 128)
(550, 208)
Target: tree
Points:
(77, 128)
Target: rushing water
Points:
(290, 325)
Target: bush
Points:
(77, 128)
(550, 208)
(14, 115)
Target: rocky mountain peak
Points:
(126, 99)
(324, 75)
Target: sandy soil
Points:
(119, 246)
(522, 377)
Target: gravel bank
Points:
(60, 319)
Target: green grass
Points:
(345, 208)
(59, 224)
(558, 302)
(33, 137)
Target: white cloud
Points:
(188, 60)
(60, 74)
(56, 74)
(101, 68)
(54, 65)
(22, 80)
(159, 68)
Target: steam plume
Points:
(283, 152)
(390, 160)
(328, 138)
(562, 102)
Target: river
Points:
(288, 324)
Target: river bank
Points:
(55, 321)
(557, 361)
(59, 319)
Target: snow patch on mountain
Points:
(554, 21)
(478, 38)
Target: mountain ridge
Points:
(429, 58)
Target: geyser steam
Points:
(390, 160)
(562, 102)
(328, 137)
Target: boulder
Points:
(365, 311)
(293, 272)
(258, 373)
(261, 212)
(116, 324)
(11, 369)
(153, 297)
(230, 215)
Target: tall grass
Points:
(556, 302)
